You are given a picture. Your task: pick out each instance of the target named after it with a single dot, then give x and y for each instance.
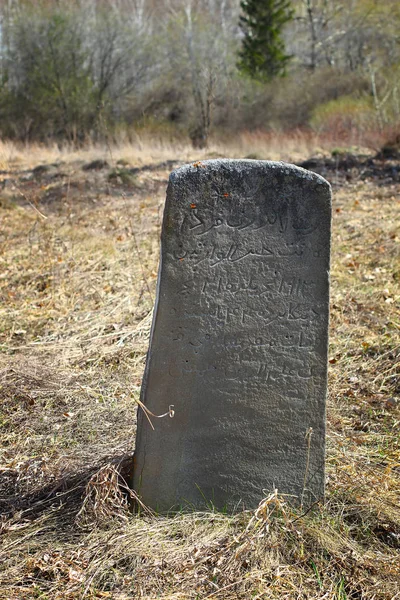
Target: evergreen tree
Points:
(262, 55)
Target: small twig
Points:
(19, 541)
(24, 196)
(305, 512)
(225, 587)
(132, 231)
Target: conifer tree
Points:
(262, 55)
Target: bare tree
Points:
(205, 57)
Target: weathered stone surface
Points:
(239, 339)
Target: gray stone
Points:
(239, 339)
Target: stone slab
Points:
(239, 339)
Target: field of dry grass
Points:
(78, 264)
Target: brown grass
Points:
(144, 148)
(78, 264)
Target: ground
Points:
(79, 244)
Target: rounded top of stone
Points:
(242, 165)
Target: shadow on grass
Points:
(342, 168)
(66, 493)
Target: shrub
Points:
(345, 117)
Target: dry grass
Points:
(144, 148)
(78, 262)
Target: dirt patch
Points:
(342, 169)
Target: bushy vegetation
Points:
(91, 69)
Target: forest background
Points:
(111, 69)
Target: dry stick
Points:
(50, 498)
(138, 252)
(104, 125)
(142, 268)
(101, 550)
(247, 577)
(132, 230)
(237, 540)
(19, 541)
(305, 512)
(308, 438)
(24, 196)
(137, 499)
(381, 375)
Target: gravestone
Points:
(239, 339)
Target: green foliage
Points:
(54, 86)
(262, 55)
(78, 70)
(65, 71)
